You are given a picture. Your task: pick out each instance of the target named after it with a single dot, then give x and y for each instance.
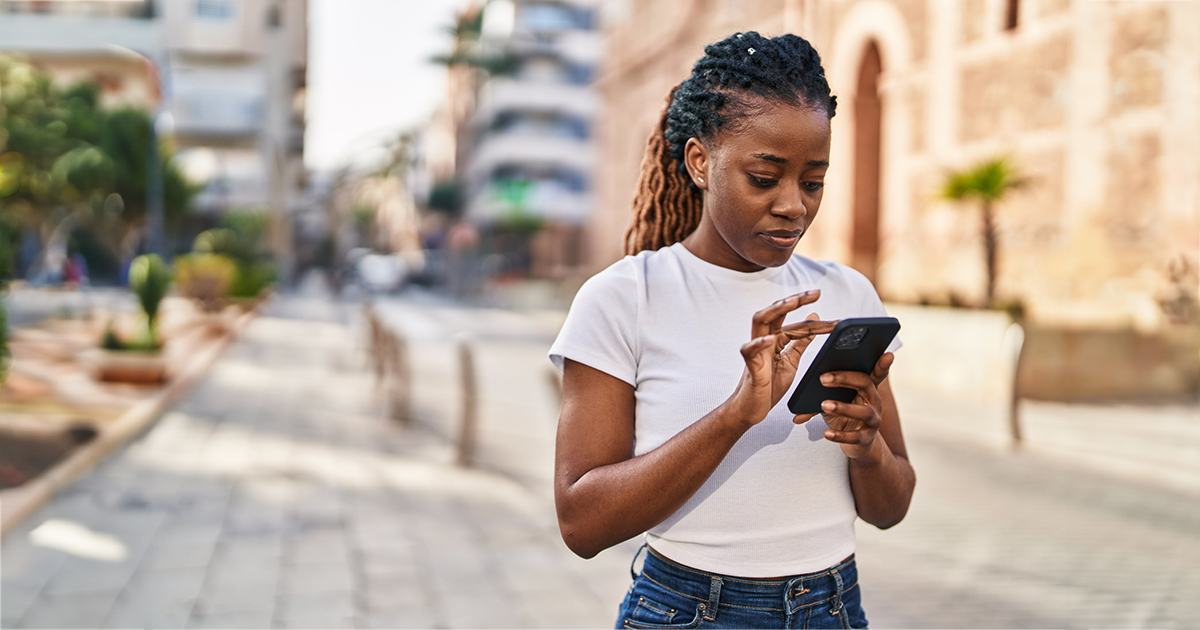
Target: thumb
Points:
(802, 418)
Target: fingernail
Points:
(827, 379)
(827, 405)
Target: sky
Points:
(369, 75)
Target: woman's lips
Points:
(782, 240)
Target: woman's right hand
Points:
(773, 355)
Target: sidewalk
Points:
(277, 495)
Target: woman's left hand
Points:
(855, 425)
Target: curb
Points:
(17, 504)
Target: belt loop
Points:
(714, 599)
(633, 575)
(837, 599)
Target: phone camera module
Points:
(850, 338)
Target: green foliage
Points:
(447, 196)
(252, 279)
(149, 278)
(205, 278)
(242, 241)
(144, 341)
(4, 353)
(61, 149)
(988, 181)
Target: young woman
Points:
(672, 423)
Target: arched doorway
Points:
(868, 107)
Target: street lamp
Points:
(162, 124)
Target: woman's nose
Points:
(790, 204)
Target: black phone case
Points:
(810, 393)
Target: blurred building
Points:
(225, 77)
(1097, 102)
(525, 151)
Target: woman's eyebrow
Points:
(770, 157)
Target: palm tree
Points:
(988, 182)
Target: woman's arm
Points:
(604, 495)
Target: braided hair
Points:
(784, 69)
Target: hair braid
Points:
(785, 69)
(666, 207)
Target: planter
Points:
(126, 366)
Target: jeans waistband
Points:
(786, 593)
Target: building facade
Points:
(226, 78)
(527, 150)
(1097, 104)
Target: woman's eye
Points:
(762, 182)
(814, 186)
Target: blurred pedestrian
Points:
(748, 518)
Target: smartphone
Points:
(855, 345)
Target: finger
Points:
(869, 416)
(845, 437)
(761, 323)
(857, 381)
(810, 326)
(883, 367)
(802, 418)
(754, 348)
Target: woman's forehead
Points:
(780, 133)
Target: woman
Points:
(749, 518)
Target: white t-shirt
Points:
(671, 325)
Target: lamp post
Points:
(160, 125)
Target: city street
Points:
(277, 494)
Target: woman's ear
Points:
(695, 158)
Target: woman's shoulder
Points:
(626, 273)
(828, 272)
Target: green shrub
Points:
(205, 278)
(149, 278)
(252, 279)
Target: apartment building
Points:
(529, 151)
(225, 77)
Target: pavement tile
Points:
(14, 601)
(324, 605)
(27, 565)
(159, 598)
(174, 556)
(70, 610)
(479, 609)
(416, 618)
(242, 619)
(396, 592)
(316, 578)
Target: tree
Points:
(987, 183)
(63, 157)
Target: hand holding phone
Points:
(855, 345)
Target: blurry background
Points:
(401, 197)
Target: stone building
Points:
(1098, 103)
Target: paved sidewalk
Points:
(276, 495)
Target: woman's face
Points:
(762, 186)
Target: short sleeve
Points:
(601, 328)
(869, 303)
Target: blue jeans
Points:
(670, 595)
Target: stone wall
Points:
(1098, 103)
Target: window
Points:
(546, 17)
(216, 9)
